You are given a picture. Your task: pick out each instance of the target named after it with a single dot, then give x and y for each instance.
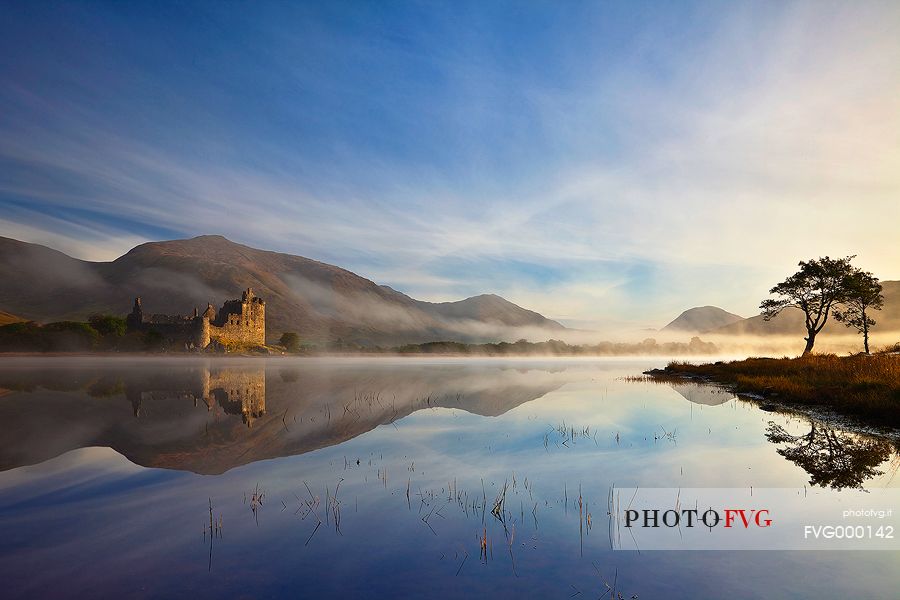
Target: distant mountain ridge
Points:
(701, 319)
(321, 302)
(711, 320)
(790, 321)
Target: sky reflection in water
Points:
(79, 518)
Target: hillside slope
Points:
(320, 301)
(7, 318)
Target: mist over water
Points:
(154, 477)
(792, 345)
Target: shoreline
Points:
(811, 399)
(821, 412)
(337, 355)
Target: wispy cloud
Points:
(635, 181)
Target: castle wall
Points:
(204, 335)
(239, 332)
(238, 322)
(177, 334)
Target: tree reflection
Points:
(832, 457)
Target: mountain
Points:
(791, 322)
(321, 302)
(701, 319)
(7, 318)
(487, 308)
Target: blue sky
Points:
(608, 164)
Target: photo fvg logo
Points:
(733, 518)
(753, 519)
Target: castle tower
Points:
(210, 312)
(134, 320)
(253, 310)
(203, 328)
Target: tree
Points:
(863, 294)
(818, 286)
(108, 325)
(290, 341)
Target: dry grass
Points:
(868, 386)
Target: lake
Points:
(446, 478)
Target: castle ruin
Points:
(238, 323)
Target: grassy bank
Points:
(864, 386)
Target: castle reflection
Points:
(239, 392)
(209, 416)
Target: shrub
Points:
(108, 325)
(22, 337)
(290, 341)
(70, 336)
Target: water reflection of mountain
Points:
(208, 418)
(709, 395)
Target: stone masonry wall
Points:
(239, 322)
(246, 327)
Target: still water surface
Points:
(190, 477)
